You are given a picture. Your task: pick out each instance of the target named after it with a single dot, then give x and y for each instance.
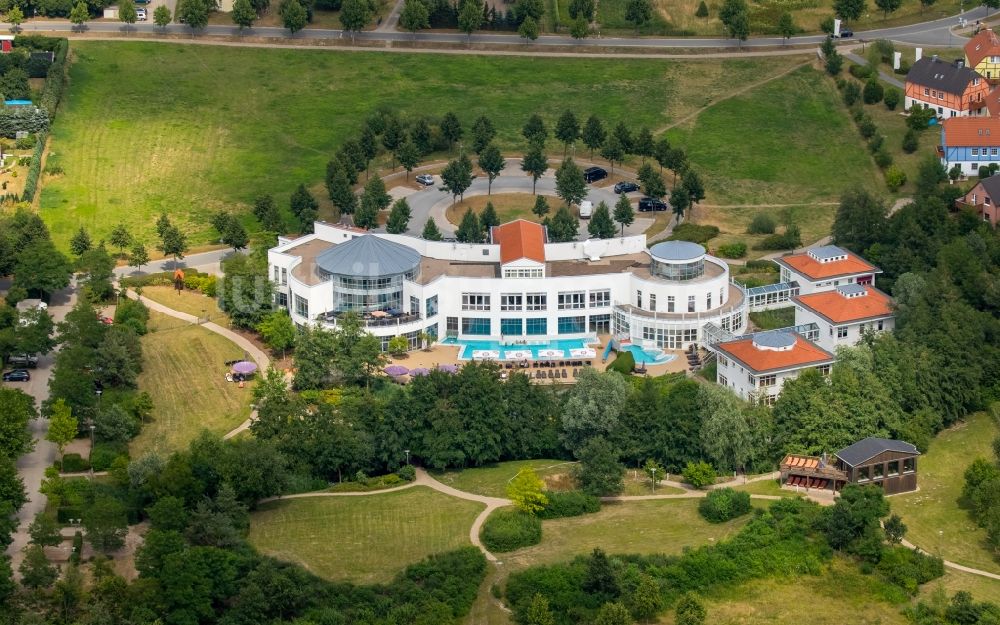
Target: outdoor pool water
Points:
(469, 346)
(650, 358)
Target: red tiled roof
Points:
(815, 270)
(973, 131)
(985, 44)
(803, 354)
(839, 309)
(520, 239)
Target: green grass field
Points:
(774, 319)
(492, 480)
(191, 302)
(184, 373)
(362, 539)
(214, 127)
(936, 522)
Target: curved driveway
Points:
(935, 32)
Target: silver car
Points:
(425, 179)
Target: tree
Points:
(162, 16)
(127, 13)
(895, 529)
(235, 235)
(567, 130)
(644, 145)
(375, 196)
(63, 426)
(652, 181)
(138, 256)
(698, 474)
(729, 13)
(539, 612)
(80, 242)
(528, 29)
(194, 13)
(278, 331)
(245, 293)
(860, 220)
(399, 217)
(393, 137)
(534, 164)
(926, 3)
(891, 98)
(739, 27)
(534, 131)
(15, 17)
(36, 572)
(691, 182)
(483, 133)
(910, 141)
(294, 16)
(120, 238)
(451, 129)
(726, 431)
(624, 214)
(18, 409)
(243, 14)
(525, 490)
(45, 531)
(355, 15)
(408, 156)
(78, 15)
(614, 613)
(849, 10)
(888, 6)
(856, 512)
(702, 10)
(338, 186)
(398, 345)
(582, 8)
(470, 17)
(599, 578)
(570, 185)
(105, 523)
(541, 207)
(613, 151)
(173, 243)
(689, 611)
(593, 134)
(431, 231)
(579, 29)
(457, 176)
(601, 226)
(680, 202)
(873, 91)
(488, 218)
(470, 230)
(266, 211)
(492, 163)
(638, 12)
(646, 601)
(314, 354)
(41, 267)
(564, 226)
(414, 16)
(786, 26)
(600, 474)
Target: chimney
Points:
(959, 63)
(920, 53)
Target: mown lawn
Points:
(492, 480)
(936, 522)
(183, 371)
(774, 319)
(191, 302)
(213, 127)
(364, 539)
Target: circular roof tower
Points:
(368, 256)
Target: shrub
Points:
(852, 92)
(873, 91)
(920, 117)
(407, 472)
(26, 143)
(761, 265)
(103, 454)
(698, 474)
(624, 363)
(762, 223)
(884, 48)
(883, 159)
(891, 98)
(569, 503)
(74, 557)
(507, 530)
(894, 178)
(904, 68)
(909, 569)
(911, 141)
(867, 127)
(69, 514)
(724, 504)
(702, 10)
(861, 72)
(876, 142)
(733, 250)
(789, 239)
(694, 233)
(74, 463)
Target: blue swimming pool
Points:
(468, 346)
(648, 357)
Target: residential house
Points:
(844, 314)
(757, 366)
(970, 142)
(950, 89)
(982, 53)
(983, 199)
(825, 268)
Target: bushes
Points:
(920, 117)
(891, 98)
(407, 472)
(724, 504)
(894, 178)
(694, 233)
(852, 92)
(733, 250)
(568, 504)
(861, 72)
(762, 223)
(883, 159)
(624, 363)
(908, 569)
(867, 127)
(873, 91)
(911, 141)
(104, 454)
(789, 239)
(34, 170)
(74, 463)
(507, 530)
(699, 474)
(207, 284)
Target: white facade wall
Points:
(747, 384)
(807, 285)
(938, 106)
(832, 335)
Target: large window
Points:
(690, 303)
(284, 276)
(537, 327)
(767, 380)
(275, 274)
(475, 301)
(301, 306)
(511, 302)
(414, 305)
(523, 273)
(652, 302)
(479, 326)
(601, 324)
(572, 325)
(432, 332)
(511, 327)
(281, 299)
(842, 332)
(451, 326)
(572, 300)
(670, 338)
(678, 271)
(909, 465)
(432, 305)
(708, 301)
(600, 299)
(536, 301)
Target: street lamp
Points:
(653, 471)
(407, 452)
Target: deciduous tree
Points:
(194, 13)
(457, 176)
(80, 242)
(525, 490)
(470, 17)
(355, 15)
(534, 131)
(278, 331)
(483, 133)
(528, 30)
(849, 10)
(786, 26)
(105, 523)
(120, 237)
(613, 151)
(408, 156)
(624, 214)
(78, 15)
(414, 16)
(243, 14)
(127, 13)
(138, 256)
(63, 426)
(451, 129)
(535, 165)
(491, 161)
(162, 16)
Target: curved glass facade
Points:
(363, 295)
(678, 271)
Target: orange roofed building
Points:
(522, 248)
(845, 314)
(825, 268)
(982, 53)
(756, 367)
(949, 89)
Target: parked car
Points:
(846, 32)
(17, 375)
(647, 204)
(593, 174)
(140, 15)
(425, 179)
(23, 361)
(586, 209)
(626, 186)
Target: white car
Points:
(140, 14)
(586, 209)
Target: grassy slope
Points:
(184, 373)
(213, 127)
(363, 539)
(936, 522)
(492, 480)
(191, 302)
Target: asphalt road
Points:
(936, 32)
(207, 262)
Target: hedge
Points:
(694, 233)
(569, 503)
(74, 463)
(624, 363)
(52, 92)
(732, 250)
(34, 170)
(724, 504)
(507, 530)
(103, 454)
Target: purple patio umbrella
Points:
(448, 368)
(244, 367)
(395, 370)
(419, 371)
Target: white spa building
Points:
(517, 289)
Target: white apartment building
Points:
(757, 366)
(825, 268)
(844, 314)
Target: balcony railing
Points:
(369, 321)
